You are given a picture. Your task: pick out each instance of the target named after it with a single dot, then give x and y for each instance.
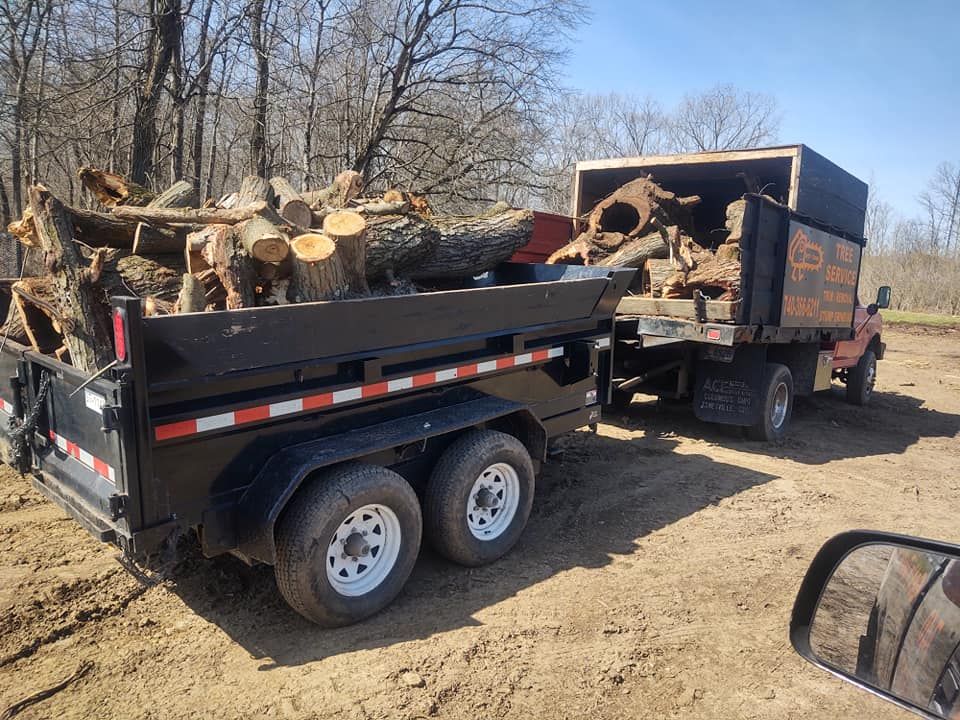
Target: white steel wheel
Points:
(363, 550)
(781, 401)
(493, 501)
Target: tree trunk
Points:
(79, 298)
(717, 279)
(397, 243)
(348, 230)
(234, 268)
(163, 43)
(318, 272)
(262, 240)
(469, 246)
(260, 45)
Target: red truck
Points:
(797, 324)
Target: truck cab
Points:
(855, 360)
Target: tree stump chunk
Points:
(318, 272)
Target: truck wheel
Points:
(776, 404)
(861, 379)
(347, 543)
(479, 497)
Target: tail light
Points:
(120, 333)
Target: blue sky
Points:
(874, 86)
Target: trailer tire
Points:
(861, 379)
(341, 509)
(776, 404)
(478, 498)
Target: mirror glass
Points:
(883, 297)
(890, 617)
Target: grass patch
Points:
(899, 317)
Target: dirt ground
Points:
(655, 579)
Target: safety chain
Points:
(20, 430)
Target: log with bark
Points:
(289, 203)
(396, 244)
(152, 241)
(470, 246)
(318, 272)
(234, 267)
(40, 320)
(348, 230)
(85, 317)
(654, 275)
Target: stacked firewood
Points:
(265, 244)
(644, 226)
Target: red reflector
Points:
(713, 334)
(119, 336)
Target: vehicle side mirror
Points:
(883, 297)
(882, 611)
(872, 309)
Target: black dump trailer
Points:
(743, 361)
(323, 438)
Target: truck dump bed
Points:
(800, 250)
(186, 430)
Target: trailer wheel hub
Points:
(493, 501)
(363, 550)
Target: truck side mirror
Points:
(882, 611)
(883, 297)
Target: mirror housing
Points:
(883, 297)
(888, 611)
(872, 309)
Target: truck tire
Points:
(861, 379)
(776, 404)
(478, 498)
(347, 543)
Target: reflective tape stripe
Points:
(6, 407)
(183, 428)
(89, 460)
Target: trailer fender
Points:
(265, 498)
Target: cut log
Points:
(180, 194)
(734, 222)
(214, 292)
(718, 279)
(318, 273)
(635, 252)
(253, 189)
(80, 299)
(158, 241)
(143, 277)
(398, 243)
(192, 297)
(577, 252)
(383, 207)
(348, 230)
(655, 274)
(34, 299)
(227, 202)
(344, 188)
(234, 268)
(112, 189)
(262, 240)
(289, 203)
(471, 246)
(196, 241)
(630, 209)
(94, 229)
(195, 216)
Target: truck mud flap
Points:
(728, 382)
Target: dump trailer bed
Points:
(213, 421)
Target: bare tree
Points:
(164, 38)
(725, 118)
(941, 203)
